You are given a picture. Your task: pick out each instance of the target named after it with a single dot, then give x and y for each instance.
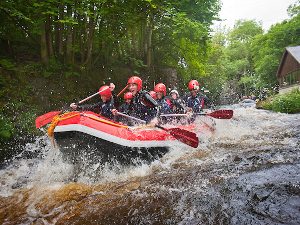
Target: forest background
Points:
(55, 52)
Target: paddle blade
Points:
(45, 119)
(221, 114)
(187, 137)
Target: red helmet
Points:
(161, 88)
(193, 85)
(153, 94)
(105, 91)
(128, 95)
(136, 80)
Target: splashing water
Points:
(246, 172)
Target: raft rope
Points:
(59, 118)
(66, 116)
(105, 121)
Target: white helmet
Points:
(174, 91)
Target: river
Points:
(247, 172)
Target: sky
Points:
(269, 12)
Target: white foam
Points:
(48, 169)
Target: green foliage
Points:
(53, 69)
(244, 31)
(237, 59)
(6, 128)
(87, 34)
(7, 64)
(285, 103)
(249, 82)
(215, 67)
(134, 63)
(294, 9)
(267, 49)
(69, 74)
(185, 46)
(25, 122)
(248, 56)
(32, 67)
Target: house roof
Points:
(290, 61)
(295, 52)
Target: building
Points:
(288, 73)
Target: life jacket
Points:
(164, 106)
(104, 108)
(124, 108)
(146, 99)
(196, 103)
(177, 105)
(143, 106)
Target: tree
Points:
(294, 9)
(268, 49)
(84, 34)
(239, 56)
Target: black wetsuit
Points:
(143, 106)
(104, 108)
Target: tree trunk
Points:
(90, 32)
(44, 51)
(142, 45)
(149, 43)
(69, 42)
(69, 39)
(59, 34)
(10, 49)
(82, 40)
(48, 34)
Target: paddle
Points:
(187, 137)
(218, 114)
(131, 117)
(47, 118)
(121, 92)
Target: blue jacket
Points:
(197, 103)
(163, 106)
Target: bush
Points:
(285, 103)
(6, 128)
(7, 64)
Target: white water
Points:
(48, 168)
(250, 156)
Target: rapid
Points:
(246, 172)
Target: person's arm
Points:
(147, 97)
(114, 96)
(87, 107)
(207, 102)
(116, 100)
(178, 103)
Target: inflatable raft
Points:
(78, 133)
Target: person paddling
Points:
(177, 104)
(153, 94)
(163, 103)
(104, 107)
(196, 101)
(142, 106)
(124, 108)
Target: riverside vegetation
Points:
(53, 52)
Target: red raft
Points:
(78, 133)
